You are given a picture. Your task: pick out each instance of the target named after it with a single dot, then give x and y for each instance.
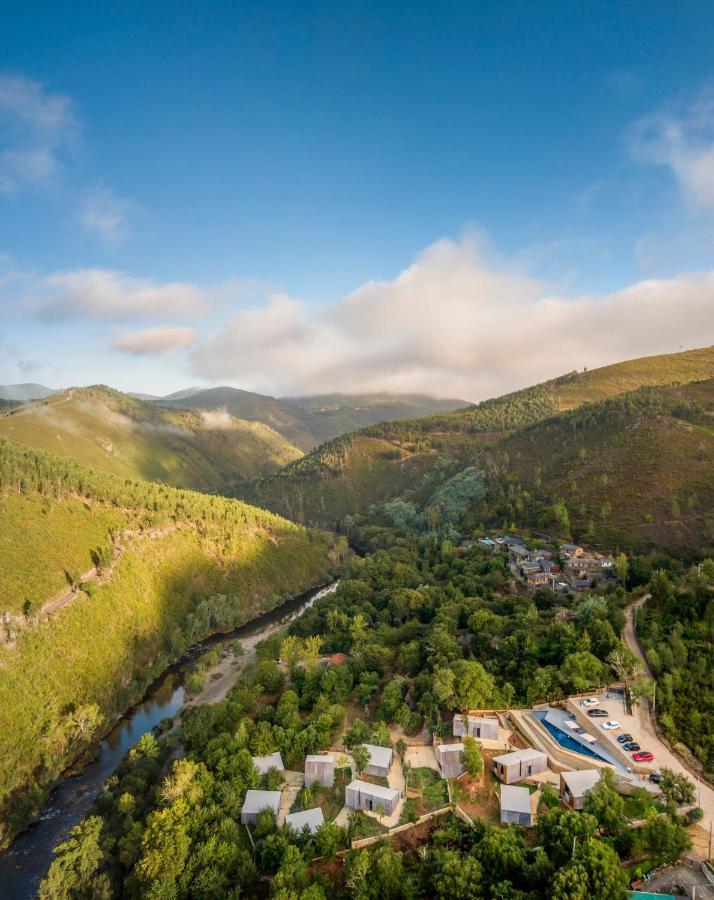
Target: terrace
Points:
(564, 729)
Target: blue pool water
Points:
(564, 739)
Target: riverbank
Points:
(25, 862)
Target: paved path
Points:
(643, 716)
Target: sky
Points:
(457, 199)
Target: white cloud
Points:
(682, 139)
(106, 215)
(453, 324)
(154, 341)
(106, 294)
(35, 127)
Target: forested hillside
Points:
(347, 475)
(171, 567)
(635, 471)
(114, 432)
(308, 421)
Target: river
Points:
(24, 864)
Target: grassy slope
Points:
(116, 433)
(635, 471)
(331, 482)
(102, 650)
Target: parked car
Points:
(643, 756)
(598, 713)
(656, 778)
(589, 701)
(624, 738)
(631, 746)
(612, 725)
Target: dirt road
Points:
(648, 736)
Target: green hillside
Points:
(533, 404)
(635, 471)
(308, 421)
(347, 475)
(248, 406)
(329, 415)
(174, 566)
(116, 433)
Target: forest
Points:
(426, 628)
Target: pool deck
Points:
(557, 718)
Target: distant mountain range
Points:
(308, 421)
(24, 392)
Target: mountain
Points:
(635, 471)
(308, 421)
(24, 392)
(114, 432)
(248, 406)
(344, 477)
(329, 415)
(155, 570)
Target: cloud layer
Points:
(106, 294)
(154, 341)
(452, 324)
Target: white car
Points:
(589, 701)
(611, 725)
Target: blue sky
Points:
(214, 192)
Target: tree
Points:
(594, 873)
(621, 568)
(456, 875)
(559, 829)
(361, 756)
(581, 670)
(471, 757)
(642, 687)
(357, 871)
(401, 748)
(677, 789)
(606, 805)
(291, 650)
(624, 662)
(663, 838)
(75, 871)
(164, 850)
(329, 838)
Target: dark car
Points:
(632, 746)
(656, 778)
(598, 714)
(624, 738)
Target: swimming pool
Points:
(564, 739)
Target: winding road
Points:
(643, 714)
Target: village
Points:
(571, 568)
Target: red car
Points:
(643, 756)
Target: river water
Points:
(24, 864)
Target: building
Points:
(371, 797)
(484, 727)
(448, 758)
(537, 579)
(574, 786)
(255, 802)
(519, 764)
(312, 819)
(516, 805)
(380, 760)
(272, 761)
(320, 769)
(567, 551)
